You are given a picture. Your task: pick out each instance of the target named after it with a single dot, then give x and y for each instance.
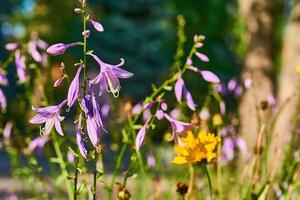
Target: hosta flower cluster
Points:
(83, 96)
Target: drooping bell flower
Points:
(108, 76)
(93, 118)
(3, 103)
(49, 115)
(206, 75)
(141, 135)
(182, 92)
(60, 48)
(20, 66)
(178, 127)
(96, 25)
(74, 89)
(79, 139)
(39, 142)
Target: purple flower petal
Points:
(164, 106)
(59, 81)
(179, 88)
(159, 114)
(20, 66)
(79, 140)
(141, 135)
(7, 130)
(73, 92)
(12, 46)
(58, 127)
(105, 110)
(70, 157)
(238, 91)
(3, 79)
(32, 49)
(121, 73)
(222, 107)
(175, 113)
(189, 101)
(210, 77)
(97, 25)
(38, 142)
(137, 109)
(96, 112)
(92, 130)
(41, 44)
(202, 57)
(231, 85)
(178, 127)
(40, 118)
(49, 125)
(3, 103)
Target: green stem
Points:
(208, 179)
(191, 181)
(95, 176)
(219, 168)
(61, 162)
(76, 178)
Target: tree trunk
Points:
(258, 66)
(288, 94)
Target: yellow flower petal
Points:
(179, 160)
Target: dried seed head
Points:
(123, 193)
(182, 188)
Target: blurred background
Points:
(246, 39)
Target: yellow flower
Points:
(191, 149)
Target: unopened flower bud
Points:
(78, 10)
(199, 38)
(60, 48)
(86, 33)
(58, 82)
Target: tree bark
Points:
(258, 66)
(288, 94)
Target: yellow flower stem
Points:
(219, 167)
(205, 170)
(191, 181)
